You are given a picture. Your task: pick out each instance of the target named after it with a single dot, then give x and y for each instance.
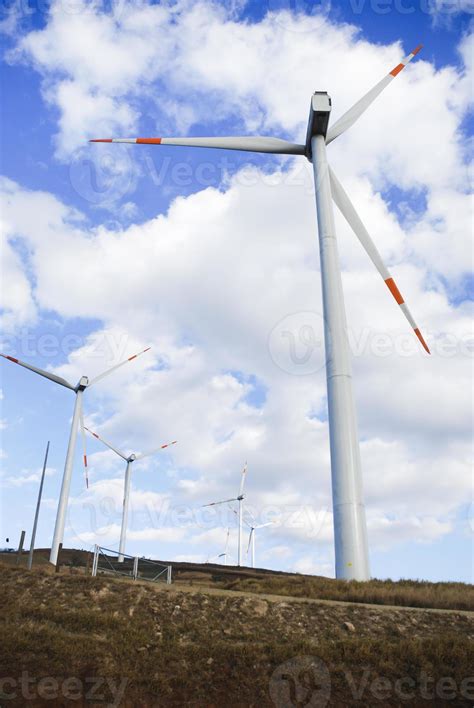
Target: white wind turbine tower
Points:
(225, 554)
(252, 538)
(350, 533)
(126, 487)
(240, 498)
(77, 416)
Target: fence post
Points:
(38, 503)
(20, 547)
(95, 561)
(135, 568)
(168, 576)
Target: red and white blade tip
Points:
(168, 444)
(91, 432)
(396, 70)
(134, 141)
(10, 358)
(392, 286)
(134, 356)
(86, 472)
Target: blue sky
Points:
(84, 221)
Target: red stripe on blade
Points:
(390, 283)
(417, 49)
(101, 140)
(397, 69)
(11, 358)
(148, 141)
(420, 337)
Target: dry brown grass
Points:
(186, 648)
(408, 593)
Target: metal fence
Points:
(107, 561)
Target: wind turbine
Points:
(77, 416)
(252, 535)
(240, 498)
(126, 488)
(224, 555)
(350, 531)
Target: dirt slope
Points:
(75, 638)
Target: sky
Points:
(211, 259)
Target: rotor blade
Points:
(250, 539)
(84, 444)
(347, 209)
(225, 501)
(275, 146)
(262, 526)
(226, 543)
(117, 366)
(41, 372)
(252, 517)
(152, 452)
(104, 442)
(242, 480)
(354, 113)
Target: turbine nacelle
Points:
(319, 112)
(83, 384)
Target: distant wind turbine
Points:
(240, 499)
(225, 554)
(252, 538)
(350, 530)
(77, 416)
(126, 488)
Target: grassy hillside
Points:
(142, 644)
(408, 593)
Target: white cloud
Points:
(413, 429)
(200, 63)
(28, 477)
(18, 306)
(207, 282)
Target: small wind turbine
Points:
(224, 555)
(252, 535)
(126, 488)
(77, 416)
(240, 499)
(350, 529)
